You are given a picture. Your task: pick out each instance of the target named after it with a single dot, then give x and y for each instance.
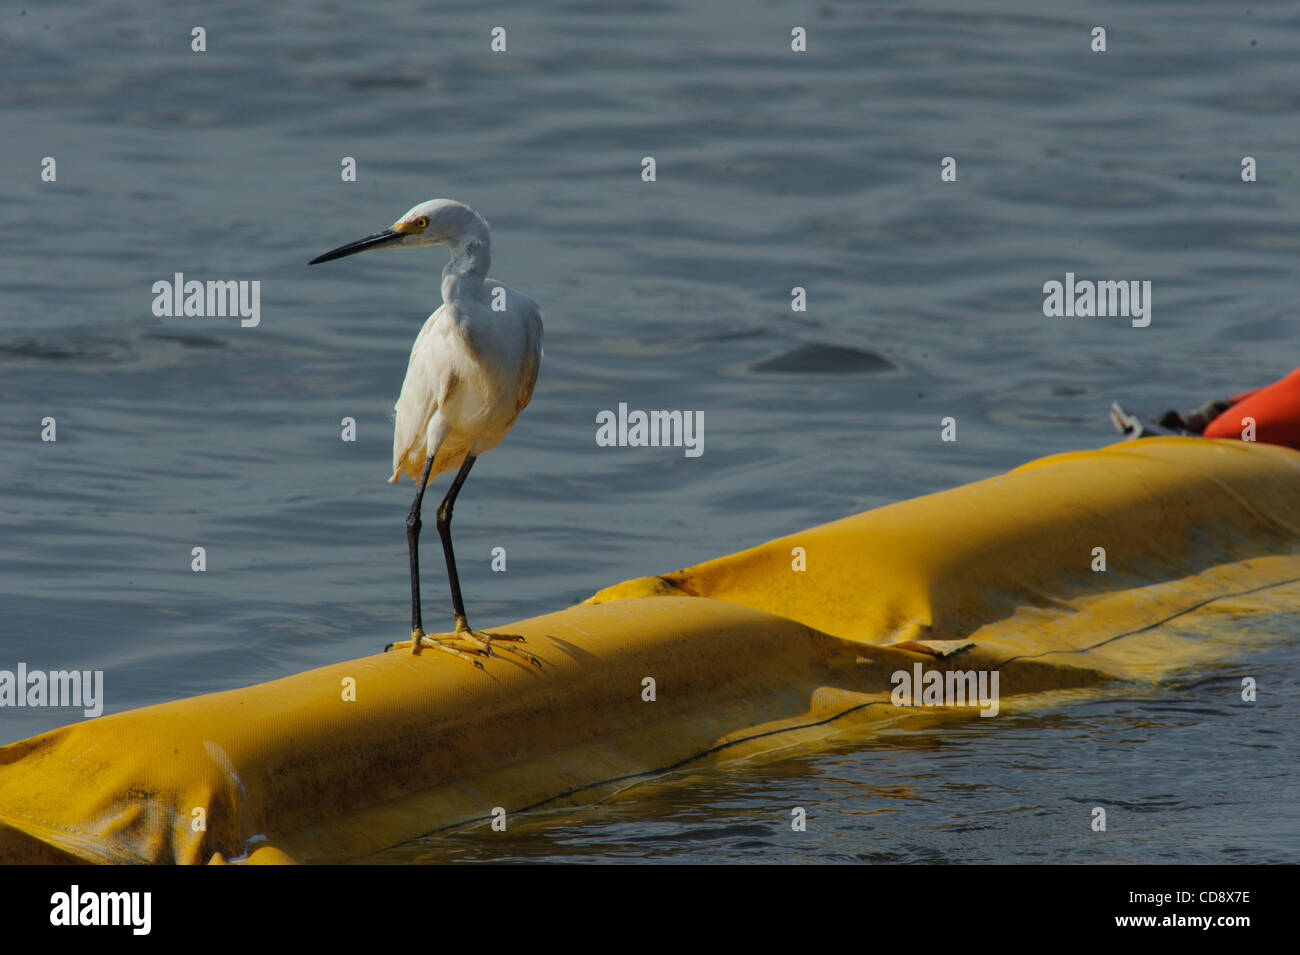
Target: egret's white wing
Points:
(429, 380)
(532, 360)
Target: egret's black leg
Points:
(463, 641)
(413, 545)
(444, 531)
(477, 639)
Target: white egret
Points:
(472, 371)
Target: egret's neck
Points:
(470, 258)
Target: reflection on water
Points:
(1186, 772)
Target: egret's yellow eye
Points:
(422, 223)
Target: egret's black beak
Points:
(377, 241)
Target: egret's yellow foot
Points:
(484, 639)
(446, 642)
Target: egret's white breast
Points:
(471, 371)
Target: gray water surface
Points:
(774, 170)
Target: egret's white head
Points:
(435, 222)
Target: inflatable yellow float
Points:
(1064, 573)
